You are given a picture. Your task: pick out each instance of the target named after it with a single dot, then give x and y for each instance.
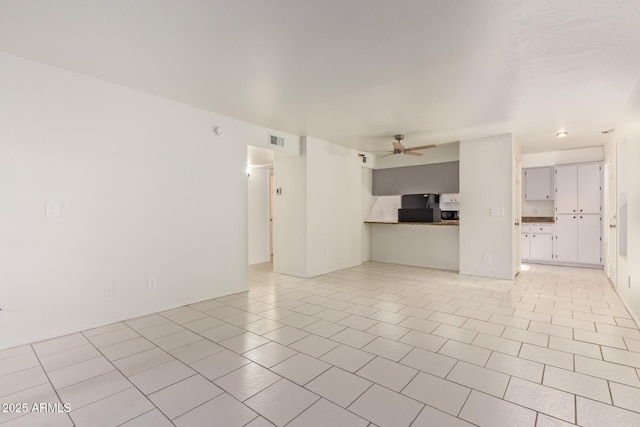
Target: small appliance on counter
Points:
(449, 205)
(419, 208)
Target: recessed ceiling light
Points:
(562, 134)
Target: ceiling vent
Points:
(276, 140)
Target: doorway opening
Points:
(260, 212)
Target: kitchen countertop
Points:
(537, 219)
(449, 222)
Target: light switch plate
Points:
(53, 209)
(497, 211)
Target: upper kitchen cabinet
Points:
(538, 183)
(578, 189)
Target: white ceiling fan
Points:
(399, 149)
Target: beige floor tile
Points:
(126, 348)
(72, 374)
(18, 363)
(161, 376)
(94, 389)
(314, 345)
(177, 340)
(324, 413)
(596, 414)
(22, 380)
(515, 366)
(625, 396)
(483, 327)
(153, 418)
(466, 352)
(386, 408)
(113, 410)
(530, 337)
(139, 362)
(223, 410)
(114, 337)
(417, 324)
(479, 378)
(244, 342)
(423, 340)
(492, 342)
(429, 362)
(301, 368)
(430, 417)
(576, 383)
(282, 402)
(437, 392)
(387, 348)
(543, 399)
(609, 371)
(203, 324)
(622, 357)
(286, 335)
(55, 345)
(353, 338)
(246, 381)
(338, 386)
(489, 411)
(454, 333)
(598, 338)
(575, 347)
(387, 373)
(195, 351)
(219, 364)
(547, 356)
(347, 358)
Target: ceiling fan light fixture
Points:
(562, 133)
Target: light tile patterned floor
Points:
(378, 344)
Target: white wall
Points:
(147, 190)
(441, 154)
(334, 207)
(629, 265)
(318, 218)
(563, 157)
(258, 216)
(486, 181)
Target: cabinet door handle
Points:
(574, 210)
(580, 216)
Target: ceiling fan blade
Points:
(411, 153)
(422, 147)
(397, 145)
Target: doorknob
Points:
(612, 226)
(517, 223)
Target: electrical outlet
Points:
(152, 283)
(109, 291)
(487, 257)
(53, 209)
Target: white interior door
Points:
(517, 211)
(611, 216)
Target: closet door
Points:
(567, 238)
(566, 189)
(589, 189)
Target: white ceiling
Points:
(356, 72)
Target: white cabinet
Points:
(589, 189)
(524, 246)
(450, 198)
(578, 189)
(538, 184)
(578, 208)
(589, 244)
(567, 238)
(537, 242)
(578, 239)
(541, 247)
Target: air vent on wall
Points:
(276, 140)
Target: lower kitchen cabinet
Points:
(537, 242)
(525, 253)
(541, 247)
(578, 239)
